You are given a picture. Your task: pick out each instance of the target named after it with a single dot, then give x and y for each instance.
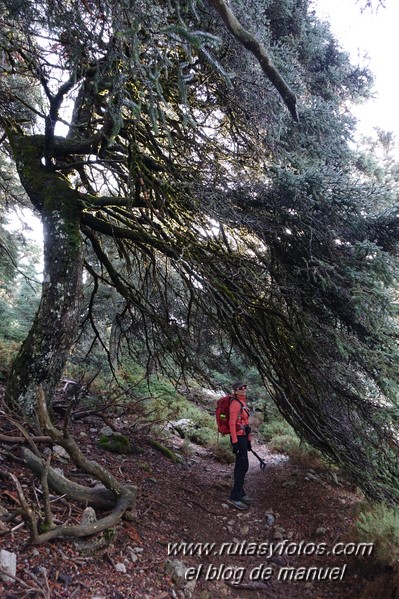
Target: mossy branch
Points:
(165, 451)
(70, 445)
(249, 41)
(97, 496)
(125, 502)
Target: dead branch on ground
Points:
(111, 495)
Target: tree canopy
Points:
(196, 158)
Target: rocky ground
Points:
(290, 544)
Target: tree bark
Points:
(124, 503)
(249, 41)
(98, 496)
(44, 352)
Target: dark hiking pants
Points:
(240, 468)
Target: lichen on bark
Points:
(43, 354)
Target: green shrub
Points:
(202, 436)
(379, 524)
(307, 456)
(282, 438)
(204, 431)
(8, 353)
(221, 450)
(284, 443)
(276, 428)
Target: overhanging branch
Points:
(249, 41)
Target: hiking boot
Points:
(239, 505)
(247, 500)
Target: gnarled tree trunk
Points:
(44, 352)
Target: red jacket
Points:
(239, 418)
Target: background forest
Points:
(208, 214)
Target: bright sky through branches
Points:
(372, 39)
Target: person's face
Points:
(242, 391)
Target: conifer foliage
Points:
(195, 157)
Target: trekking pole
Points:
(262, 463)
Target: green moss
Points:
(145, 466)
(117, 443)
(49, 191)
(109, 534)
(166, 451)
(45, 527)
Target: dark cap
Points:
(237, 385)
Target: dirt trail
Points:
(285, 542)
(297, 511)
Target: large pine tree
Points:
(208, 145)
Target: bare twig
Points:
(28, 513)
(37, 589)
(46, 494)
(25, 439)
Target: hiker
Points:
(241, 443)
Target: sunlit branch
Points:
(249, 41)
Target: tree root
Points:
(98, 496)
(125, 502)
(112, 495)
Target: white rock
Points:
(183, 427)
(177, 570)
(119, 567)
(60, 452)
(270, 519)
(8, 562)
(106, 431)
(88, 516)
(133, 557)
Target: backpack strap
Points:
(232, 398)
(239, 401)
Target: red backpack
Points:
(223, 413)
